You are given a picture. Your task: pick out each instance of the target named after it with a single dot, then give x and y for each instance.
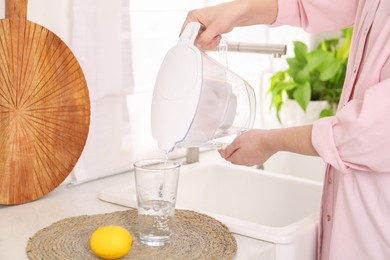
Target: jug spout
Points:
(166, 147)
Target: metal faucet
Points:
(277, 50)
(192, 155)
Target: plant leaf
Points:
(326, 112)
(343, 51)
(295, 64)
(277, 77)
(300, 50)
(331, 70)
(282, 86)
(329, 45)
(318, 57)
(302, 75)
(302, 95)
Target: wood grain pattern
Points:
(44, 110)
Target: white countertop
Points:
(20, 222)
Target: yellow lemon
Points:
(110, 242)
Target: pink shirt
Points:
(355, 222)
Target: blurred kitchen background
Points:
(120, 45)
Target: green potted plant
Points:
(313, 75)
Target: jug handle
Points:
(190, 33)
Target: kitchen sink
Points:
(276, 208)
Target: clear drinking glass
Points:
(156, 187)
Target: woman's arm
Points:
(256, 146)
(311, 15)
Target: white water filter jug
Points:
(197, 99)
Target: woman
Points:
(355, 143)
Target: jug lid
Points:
(177, 90)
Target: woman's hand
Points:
(222, 18)
(215, 21)
(256, 146)
(250, 148)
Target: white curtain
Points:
(97, 43)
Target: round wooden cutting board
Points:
(44, 108)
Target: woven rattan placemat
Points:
(196, 236)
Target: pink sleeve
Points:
(316, 15)
(358, 137)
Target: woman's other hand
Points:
(256, 146)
